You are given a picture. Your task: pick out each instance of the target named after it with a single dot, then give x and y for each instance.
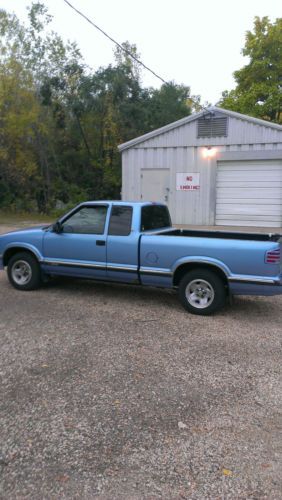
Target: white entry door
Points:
(155, 184)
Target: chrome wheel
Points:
(21, 272)
(199, 293)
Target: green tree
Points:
(42, 55)
(61, 123)
(167, 104)
(20, 124)
(123, 59)
(35, 46)
(259, 83)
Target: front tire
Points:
(202, 292)
(24, 271)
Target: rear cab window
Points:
(154, 217)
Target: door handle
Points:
(100, 243)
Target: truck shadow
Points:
(112, 290)
(106, 292)
(262, 308)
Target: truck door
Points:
(80, 248)
(122, 246)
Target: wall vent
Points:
(211, 126)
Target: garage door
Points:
(249, 193)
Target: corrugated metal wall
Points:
(181, 151)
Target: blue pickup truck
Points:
(135, 243)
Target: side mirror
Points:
(57, 227)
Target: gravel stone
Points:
(95, 380)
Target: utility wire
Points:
(115, 42)
(127, 51)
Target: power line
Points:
(115, 42)
(127, 51)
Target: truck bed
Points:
(227, 235)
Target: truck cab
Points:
(101, 239)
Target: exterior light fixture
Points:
(209, 152)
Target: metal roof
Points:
(190, 118)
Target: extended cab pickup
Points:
(135, 243)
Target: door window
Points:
(120, 221)
(87, 220)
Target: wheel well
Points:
(185, 268)
(12, 251)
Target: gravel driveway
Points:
(115, 392)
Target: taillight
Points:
(272, 256)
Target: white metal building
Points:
(216, 167)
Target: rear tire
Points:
(202, 292)
(24, 271)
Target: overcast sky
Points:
(194, 42)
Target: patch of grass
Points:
(22, 217)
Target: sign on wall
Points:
(187, 181)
